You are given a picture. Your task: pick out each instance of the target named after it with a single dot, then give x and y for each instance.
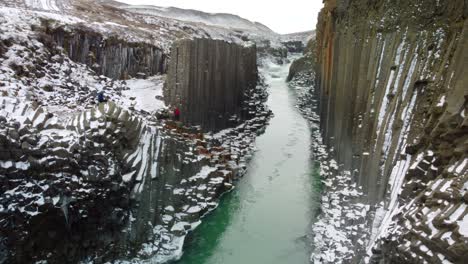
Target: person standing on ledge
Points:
(176, 114)
(101, 97)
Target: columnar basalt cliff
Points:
(392, 81)
(208, 80)
(54, 172)
(109, 56)
(82, 181)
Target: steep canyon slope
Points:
(392, 81)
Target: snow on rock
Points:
(203, 174)
(463, 226)
(50, 5)
(65, 150)
(341, 229)
(432, 217)
(136, 24)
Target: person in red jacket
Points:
(177, 114)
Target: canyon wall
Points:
(54, 172)
(108, 184)
(109, 56)
(208, 79)
(392, 81)
(88, 182)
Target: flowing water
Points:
(266, 219)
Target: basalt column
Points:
(392, 78)
(207, 80)
(112, 57)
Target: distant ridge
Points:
(189, 15)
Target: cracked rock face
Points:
(393, 105)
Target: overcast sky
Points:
(285, 16)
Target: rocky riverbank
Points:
(332, 237)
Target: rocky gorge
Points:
(109, 182)
(380, 131)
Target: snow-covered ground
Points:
(50, 5)
(61, 85)
(27, 75)
(144, 94)
(135, 27)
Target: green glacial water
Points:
(267, 218)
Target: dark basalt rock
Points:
(208, 79)
(111, 57)
(294, 46)
(305, 64)
(380, 61)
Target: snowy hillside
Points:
(299, 36)
(217, 26)
(188, 15)
(156, 27)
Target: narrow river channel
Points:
(267, 218)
